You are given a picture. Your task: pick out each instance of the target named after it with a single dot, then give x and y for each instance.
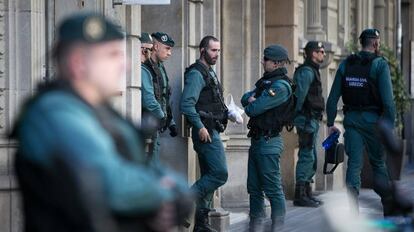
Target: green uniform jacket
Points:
(380, 72)
(60, 123)
(148, 100)
(263, 103)
(193, 84)
(303, 79)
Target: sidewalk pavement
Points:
(334, 215)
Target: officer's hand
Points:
(204, 135)
(173, 130)
(162, 123)
(251, 99)
(164, 219)
(333, 129)
(167, 182)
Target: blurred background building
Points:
(245, 27)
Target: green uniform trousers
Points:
(360, 133)
(307, 156)
(213, 168)
(264, 179)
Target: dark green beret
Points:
(313, 45)
(163, 38)
(276, 53)
(88, 28)
(370, 33)
(145, 38)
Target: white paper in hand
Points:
(235, 113)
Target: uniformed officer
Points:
(203, 105)
(309, 107)
(363, 80)
(266, 105)
(146, 46)
(70, 121)
(156, 91)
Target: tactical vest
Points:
(314, 103)
(271, 123)
(162, 92)
(210, 105)
(161, 88)
(359, 90)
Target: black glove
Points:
(173, 130)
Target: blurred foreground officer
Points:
(146, 46)
(363, 80)
(156, 91)
(309, 107)
(203, 105)
(265, 106)
(69, 126)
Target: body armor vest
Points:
(161, 87)
(314, 103)
(162, 91)
(359, 90)
(210, 105)
(271, 122)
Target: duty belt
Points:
(267, 134)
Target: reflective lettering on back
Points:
(356, 82)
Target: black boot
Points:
(301, 198)
(353, 200)
(201, 221)
(277, 223)
(389, 208)
(308, 190)
(256, 225)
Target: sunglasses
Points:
(321, 51)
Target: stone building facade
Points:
(245, 27)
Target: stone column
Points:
(133, 76)
(329, 17)
(389, 32)
(384, 13)
(284, 30)
(379, 15)
(22, 66)
(314, 26)
(343, 23)
(364, 15)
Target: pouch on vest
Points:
(333, 155)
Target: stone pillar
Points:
(22, 65)
(389, 32)
(284, 30)
(384, 14)
(379, 15)
(329, 19)
(364, 14)
(343, 24)
(133, 76)
(242, 43)
(314, 29)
